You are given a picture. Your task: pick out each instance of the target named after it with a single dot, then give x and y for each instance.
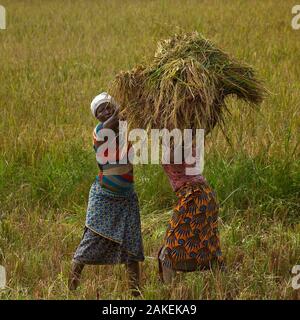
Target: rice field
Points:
(55, 56)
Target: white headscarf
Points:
(99, 99)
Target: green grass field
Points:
(54, 57)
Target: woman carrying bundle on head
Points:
(192, 238)
(185, 86)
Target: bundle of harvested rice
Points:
(185, 86)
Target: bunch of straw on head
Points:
(184, 86)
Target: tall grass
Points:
(54, 57)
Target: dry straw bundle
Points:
(185, 86)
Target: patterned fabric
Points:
(177, 176)
(94, 249)
(115, 217)
(116, 176)
(192, 238)
(177, 173)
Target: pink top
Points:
(177, 176)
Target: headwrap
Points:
(99, 99)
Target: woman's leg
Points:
(166, 274)
(74, 278)
(133, 269)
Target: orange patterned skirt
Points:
(192, 239)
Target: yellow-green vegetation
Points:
(55, 56)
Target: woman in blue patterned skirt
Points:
(112, 231)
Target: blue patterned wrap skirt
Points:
(113, 228)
